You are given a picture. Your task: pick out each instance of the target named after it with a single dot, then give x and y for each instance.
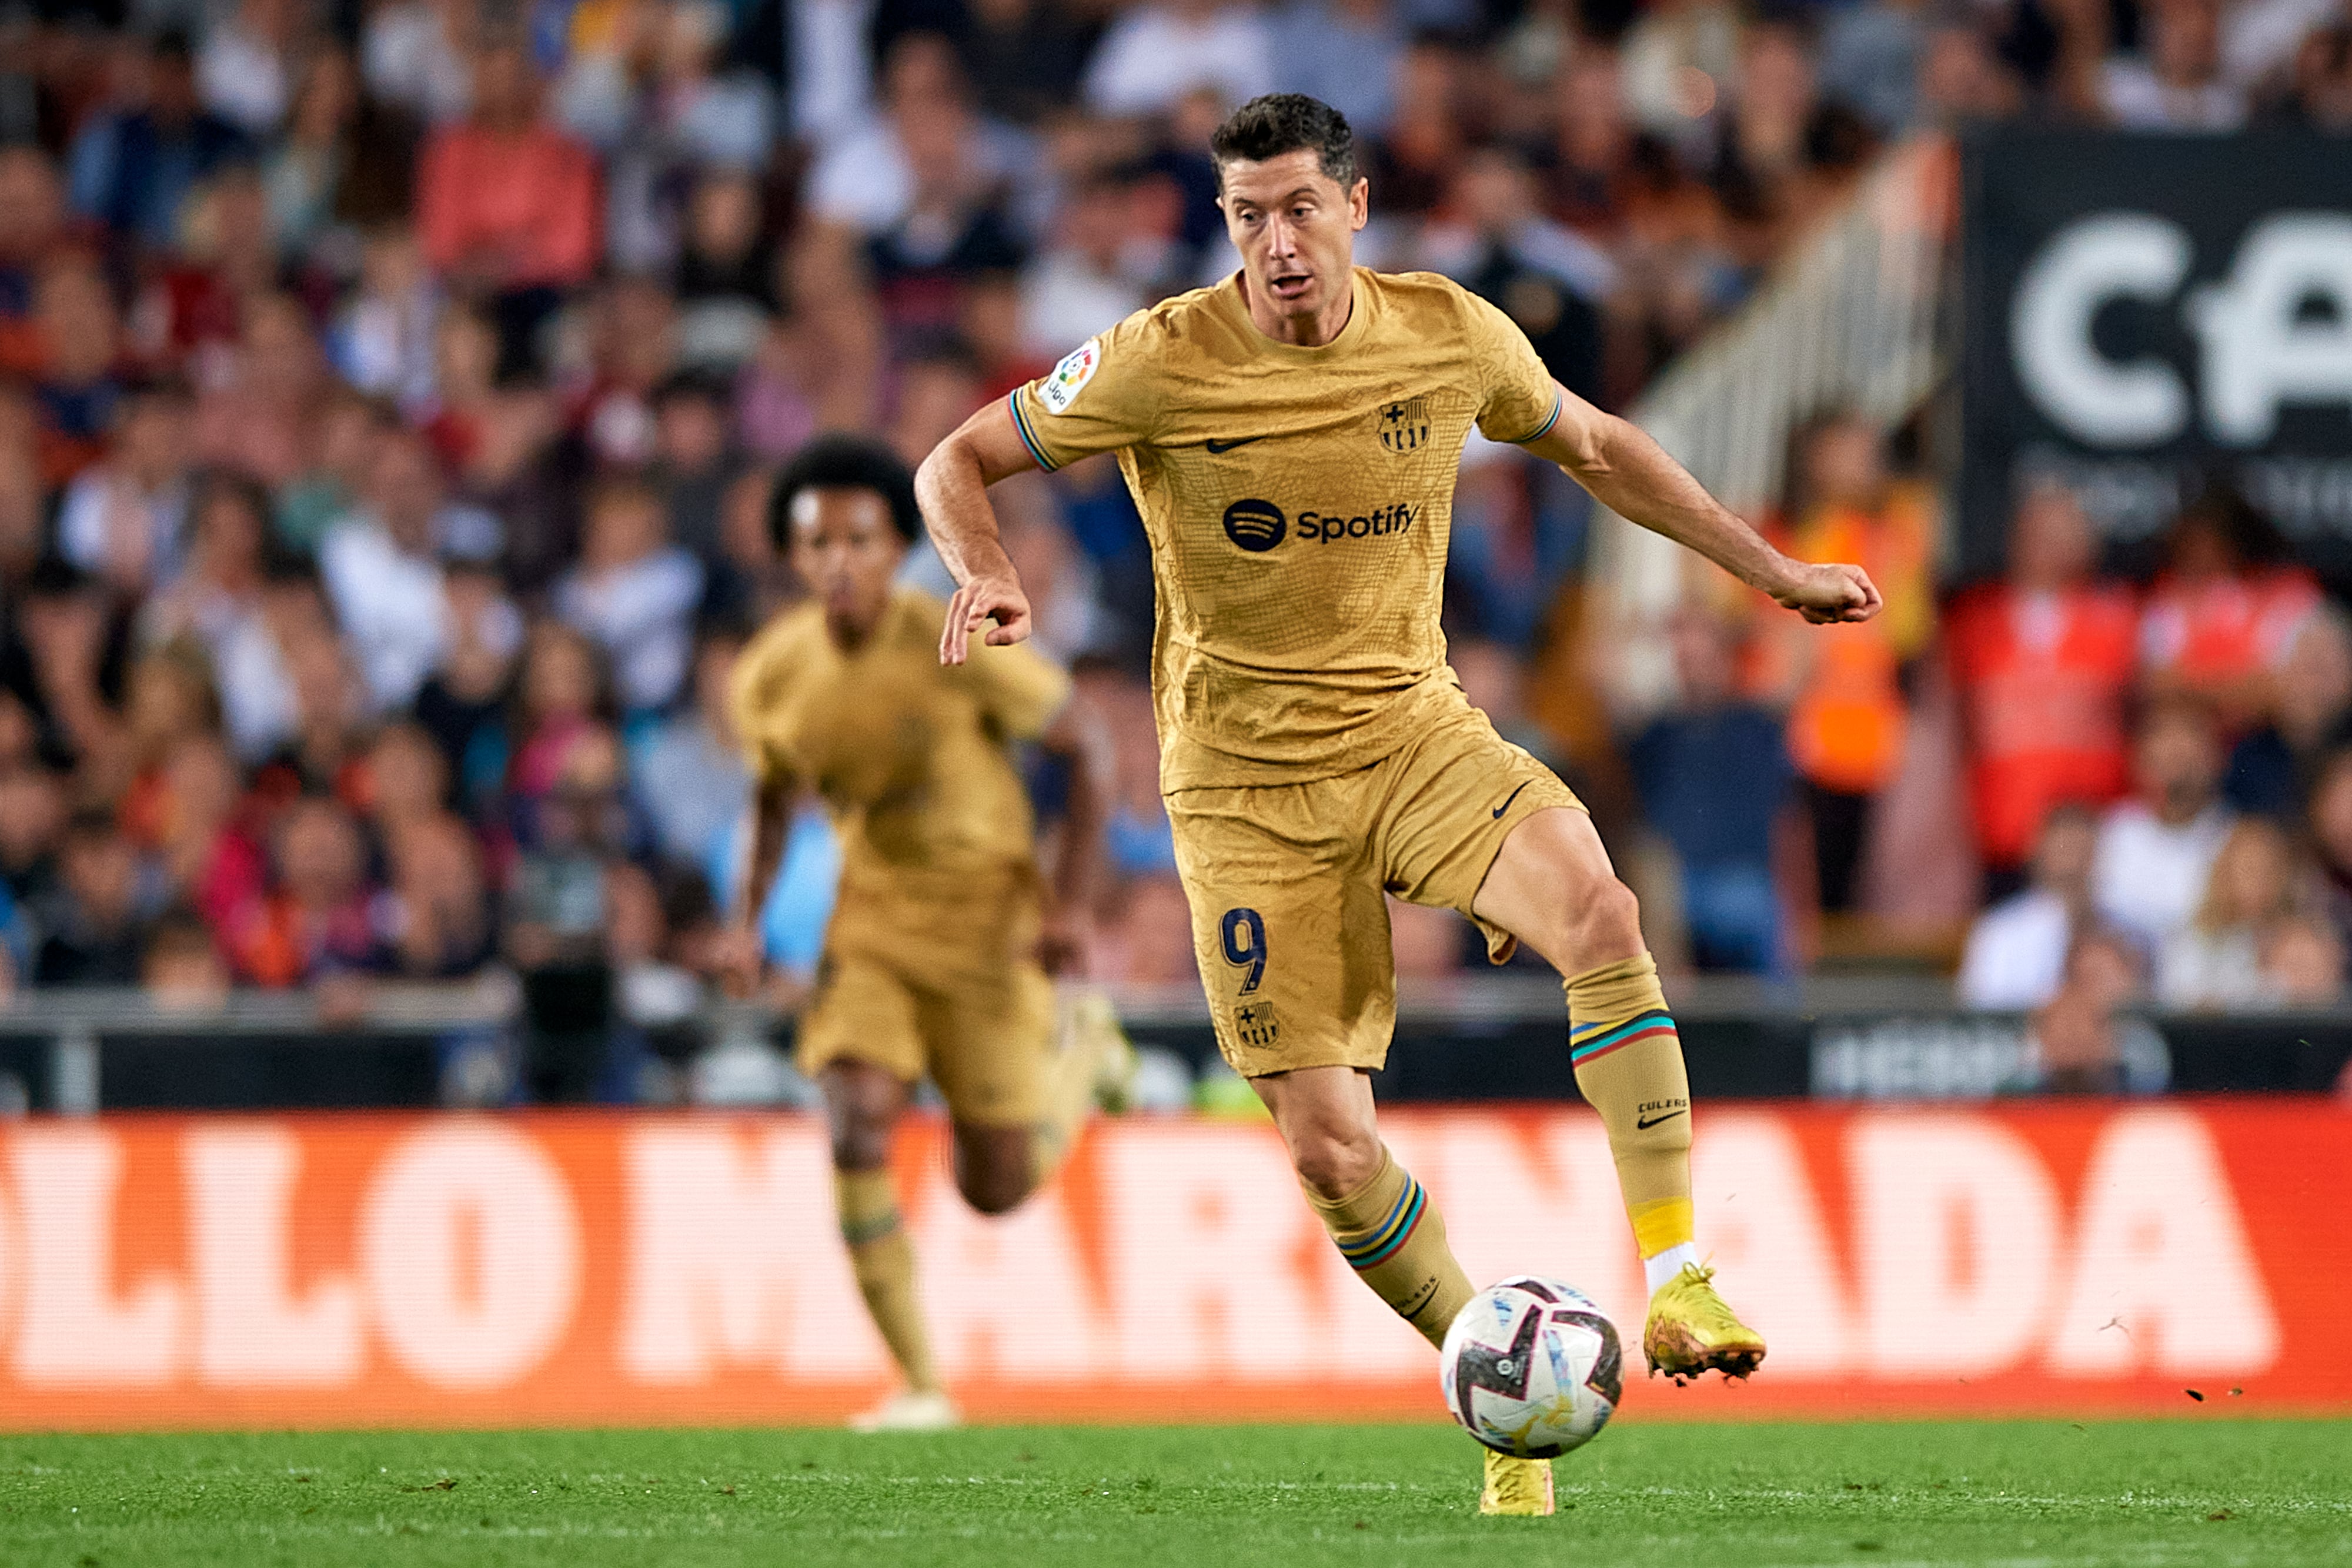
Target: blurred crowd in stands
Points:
(389, 394)
(2107, 790)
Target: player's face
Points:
(845, 548)
(1295, 228)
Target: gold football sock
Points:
(1391, 1235)
(1629, 1064)
(884, 1261)
(1072, 1078)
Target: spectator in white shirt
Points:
(383, 340)
(1155, 54)
(242, 72)
(2178, 85)
(831, 76)
(2260, 38)
(221, 602)
(2215, 960)
(2016, 954)
(1097, 272)
(864, 181)
(2156, 848)
(634, 593)
(1344, 52)
(417, 54)
(122, 518)
(382, 565)
(690, 774)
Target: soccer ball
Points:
(1530, 1368)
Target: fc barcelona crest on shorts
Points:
(1254, 1024)
(1404, 426)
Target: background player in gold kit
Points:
(935, 961)
(1291, 436)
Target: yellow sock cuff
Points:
(867, 1202)
(1661, 1223)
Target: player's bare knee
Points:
(861, 1108)
(1333, 1161)
(995, 1168)
(859, 1143)
(1603, 924)
(994, 1193)
(859, 1130)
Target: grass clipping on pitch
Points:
(2054, 1494)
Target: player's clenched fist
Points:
(1826, 594)
(975, 605)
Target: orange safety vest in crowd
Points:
(1848, 724)
(2043, 680)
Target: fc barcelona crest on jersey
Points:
(1404, 426)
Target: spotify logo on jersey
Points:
(1256, 526)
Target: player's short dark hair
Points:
(845, 462)
(1277, 123)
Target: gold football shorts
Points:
(940, 980)
(1289, 884)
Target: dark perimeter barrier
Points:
(1492, 1037)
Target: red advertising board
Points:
(365, 1270)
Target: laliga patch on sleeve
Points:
(1071, 376)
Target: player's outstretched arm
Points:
(740, 955)
(952, 488)
(1632, 476)
(1077, 735)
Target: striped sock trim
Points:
(1381, 1243)
(1590, 1042)
(858, 1233)
(1028, 438)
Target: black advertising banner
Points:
(2144, 314)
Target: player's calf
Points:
(1628, 1057)
(1553, 887)
(1379, 1217)
(861, 1104)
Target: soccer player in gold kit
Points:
(936, 959)
(1291, 436)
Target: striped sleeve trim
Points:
(1558, 403)
(1381, 1243)
(1029, 437)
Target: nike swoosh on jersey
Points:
(1509, 797)
(1643, 1124)
(1219, 448)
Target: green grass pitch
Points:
(2267, 1494)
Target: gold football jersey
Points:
(1298, 503)
(912, 758)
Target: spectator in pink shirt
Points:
(506, 201)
